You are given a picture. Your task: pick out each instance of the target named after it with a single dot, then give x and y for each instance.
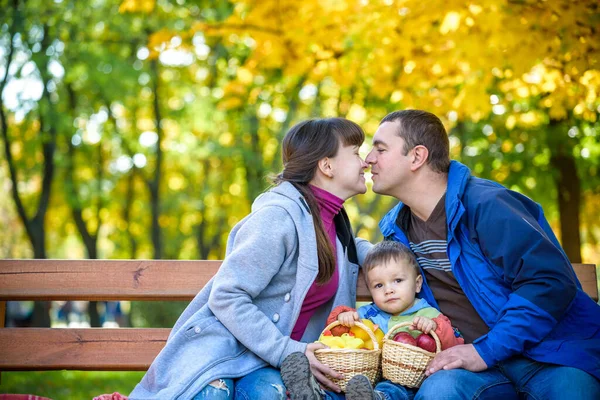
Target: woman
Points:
(288, 264)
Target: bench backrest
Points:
(103, 349)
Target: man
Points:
(492, 264)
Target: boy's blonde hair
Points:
(387, 251)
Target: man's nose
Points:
(370, 159)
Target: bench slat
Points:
(141, 279)
(587, 276)
(104, 279)
(586, 273)
(95, 349)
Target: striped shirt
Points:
(428, 240)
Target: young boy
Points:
(393, 278)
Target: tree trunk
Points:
(154, 184)
(568, 187)
(35, 226)
(253, 158)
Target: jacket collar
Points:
(417, 305)
(341, 221)
(458, 177)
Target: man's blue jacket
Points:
(512, 269)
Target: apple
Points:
(405, 337)
(426, 342)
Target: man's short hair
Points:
(423, 128)
(389, 250)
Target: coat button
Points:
(197, 329)
(275, 317)
(287, 297)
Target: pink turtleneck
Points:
(329, 206)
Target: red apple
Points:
(426, 342)
(405, 337)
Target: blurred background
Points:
(145, 128)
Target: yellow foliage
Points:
(158, 42)
(230, 103)
(557, 112)
(244, 76)
(143, 6)
(226, 139)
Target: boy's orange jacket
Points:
(444, 328)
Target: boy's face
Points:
(393, 286)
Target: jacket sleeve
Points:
(445, 332)
(515, 237)
(257, 253)
(362, 248)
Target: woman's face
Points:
(348, 170)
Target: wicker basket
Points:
(405, 364)
(351, 362)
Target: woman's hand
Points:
(423, 324)
(347, 318)
(320, 371)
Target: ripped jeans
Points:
(262, 384)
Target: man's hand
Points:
(320, 371)
(461, 356)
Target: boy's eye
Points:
(398, 280)
(378, 285)
(380, 150)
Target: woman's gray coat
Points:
(242, 319)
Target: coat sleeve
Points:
(445, 332)
(362, 248)
(259, 249)
(515, 237)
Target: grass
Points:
(59, 385)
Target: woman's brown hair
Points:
(303, 146)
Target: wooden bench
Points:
(105, 349)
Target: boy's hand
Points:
(347, 318)
(423, 324)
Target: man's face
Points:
(389, 165)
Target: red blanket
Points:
(114, 396)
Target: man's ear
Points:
(419, 282)
(420, 154)
(324, 166)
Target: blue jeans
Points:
(264, 383)
(393, 391)
(516, 378)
